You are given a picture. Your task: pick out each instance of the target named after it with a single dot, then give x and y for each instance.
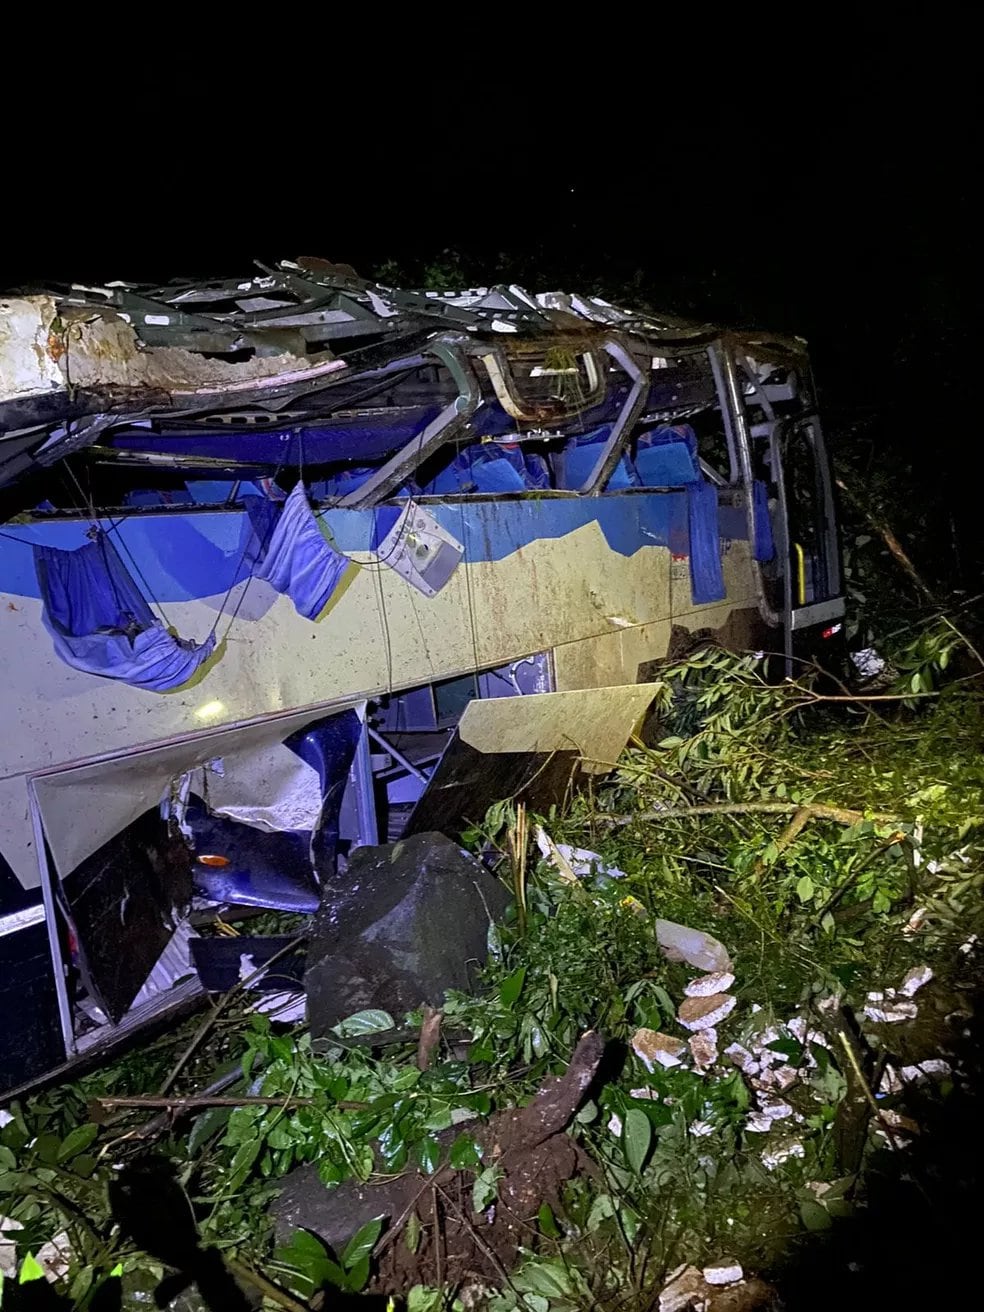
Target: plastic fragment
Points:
(681, 943)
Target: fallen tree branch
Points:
(248, 1274)
(430, 1036)
(887, 535)
(181, 1105)
(789, 835)
(810, 811)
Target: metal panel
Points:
(805, 616)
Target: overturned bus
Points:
(279, 554)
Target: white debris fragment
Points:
(701, 1129)
(968, 947)
(5, 1117)
(740, 1056)
(932, 1068)
(550, 852)
(915, 922)
(681, 943)
(769, 1111)
(8, 1247)
(653, 1048)
(891, 1081)
(724, 1272)
(868, 663)
(285, 1006)
(615, 1125)
(781, 1078)
(702, 987)
(893, 1126)
(757, 1123)
(800, 1030)
(829, 1004)
(55, 1257)
(706, 1013)
(915, 979)
(782, 1152)
(888, 1010)
(704, 1048)
(578, 861)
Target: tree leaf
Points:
(205, 1126)
(637, 1134)
(357, 1275)
(805, 889)
(77, 1141)
(422, 1299)
(485, 1190)
(547, 1278)
(242, 1162)
(602, 1208)
(511, 987)
(548, 1222)
(362, 1243)
(428, 1154)
(371, 1021)
(31, 1269)
(411, 1232)
(465, 1153)
(813, 1216)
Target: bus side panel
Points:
(536, 574)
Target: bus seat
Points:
(667, 457)
(579, 457)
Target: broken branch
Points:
(814, 811)
(430, 1036)
(789, 835)
(887, 535)
(181, 1105)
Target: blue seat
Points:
(579, 457)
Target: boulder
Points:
(406, 922)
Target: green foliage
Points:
(682, 1179)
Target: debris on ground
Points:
(681, 943)
(788, 982)
(720, 1287)
(651, 1047)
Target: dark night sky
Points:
(832, 200)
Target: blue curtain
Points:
(294, 556)
(706, 574)
(764, 545)
(101, 623)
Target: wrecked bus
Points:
(280, 557)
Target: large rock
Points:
(406, 922)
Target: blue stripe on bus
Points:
(181, 557)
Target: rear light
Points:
(213, 860)
(832, 631)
